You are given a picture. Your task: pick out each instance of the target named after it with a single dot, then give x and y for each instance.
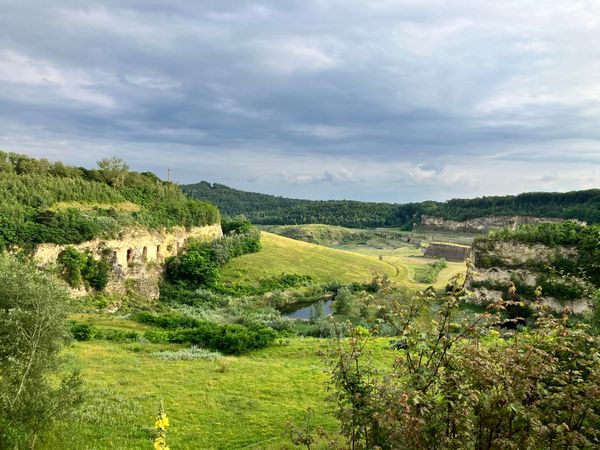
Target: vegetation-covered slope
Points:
(273, 210)
(562, 259)
(51, 202)
(283, 255)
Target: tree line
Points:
(274, 210)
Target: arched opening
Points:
(129, 255)
(145, 253)
(158, 255)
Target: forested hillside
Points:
(273, 210)
(52, 202)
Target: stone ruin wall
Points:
(450, 252)
(135, 246)
(130, 255)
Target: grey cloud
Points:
(420, 84)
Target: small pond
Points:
(306, 311)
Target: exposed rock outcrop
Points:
(451, 252)
(482, 224)
(526, 266)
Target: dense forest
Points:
(52, 202)
(274, 210)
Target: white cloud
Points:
(325, 131)
(18, 69)
(288, 56)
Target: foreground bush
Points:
(33, 330)
(458, 385)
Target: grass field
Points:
(284, 255)
(230, 403)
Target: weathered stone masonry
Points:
(135, 246)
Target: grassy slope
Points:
(234, 402)
(280, 254)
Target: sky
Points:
(376, 100)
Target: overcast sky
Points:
(372, 100)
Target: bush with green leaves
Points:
(342, 303)
(81, 267)
(83, 331)
(237, 225)
(198, 266)
(87, 332)
(34, 328)
(458, 383)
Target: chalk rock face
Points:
(509, 254)
(526, 265)
(136, 256)
(483, 224)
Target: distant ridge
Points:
(274, 210)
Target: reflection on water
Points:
(314, 311)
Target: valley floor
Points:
(230, 402)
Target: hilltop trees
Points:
(33, 330)
(274, 210)
(52, 202)
(114, 170)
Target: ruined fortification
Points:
(135, 245)
(132, 255)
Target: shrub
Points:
(83, 331)
(79, 267)
(187, 354)
(342, 304)
(230, 338)
(73, 263)
(239, 225)
(194, 268)
(461, 385)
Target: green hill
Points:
(52, 202)
(283, 255)
(273, 210)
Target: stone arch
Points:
(129, 255)
(158, 249)
(145, 253)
